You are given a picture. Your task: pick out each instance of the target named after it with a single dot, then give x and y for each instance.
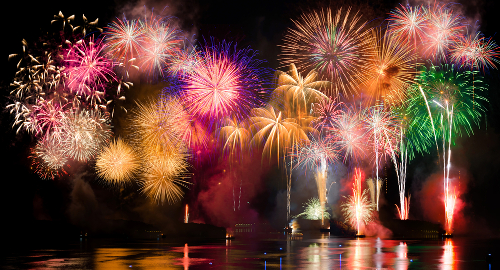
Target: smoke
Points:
(84, 209)
(185, 12)
(220, 201)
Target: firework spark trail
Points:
(336, 44)
(358, 208)
(318, 154)
(117, 163)
(236, 138)
(381, 127)
(226, 82)
(400, 167)
(451, 93)
(184, 61)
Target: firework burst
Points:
(124, 39)
(335, 44)
(475, 52)
(358, 209)
(408, 23)
(226, 82)
(117, 163)
(275, 131)
(88, 68)
(160, 125)
(84, 133)
(164, 176)
(161, 41)
(313, 210)
(349, 133)
(390, 69)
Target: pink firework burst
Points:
(226, 82)
(475, 52)
(124, 38)
(445, 26)
(317, 153)
(88, 67)
(408, 22)
(349, 133)
(161, 43)
(49, 118)
(327, 111)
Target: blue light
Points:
(130, 266)
(210, 263)
(265, 253)
(281, 248)
(340, 245)
(411, 260)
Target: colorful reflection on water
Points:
(318, 252)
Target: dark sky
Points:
(260, 24)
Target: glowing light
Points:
(117, 163)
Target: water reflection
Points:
(318, 252)
(448, 260)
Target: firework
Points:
(161, 41)
(298, 91)
(445, 26)
(357, 209)
(381, 129)
(226, 82)
(160, 125)
(49, 117)
(443, 106)
(475, 52)
(117, 163)
(195, 136)
(275, 131)
(314, 210)
(335, 44)
(236, 138)
(390, 69)
(408, 23)
(88, 68)
(124, 39)
(184, 61)
(318, 154)
(328, 112)
(50, 151)
(349, 133)
(164, 176)
(84, 133)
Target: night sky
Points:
(260, 25)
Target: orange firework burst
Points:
(117, 163)
(299, 91)
(160, 125)
(390, 69)
(336, 44)
(164, 176)
(236, 137)
(275, 131)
